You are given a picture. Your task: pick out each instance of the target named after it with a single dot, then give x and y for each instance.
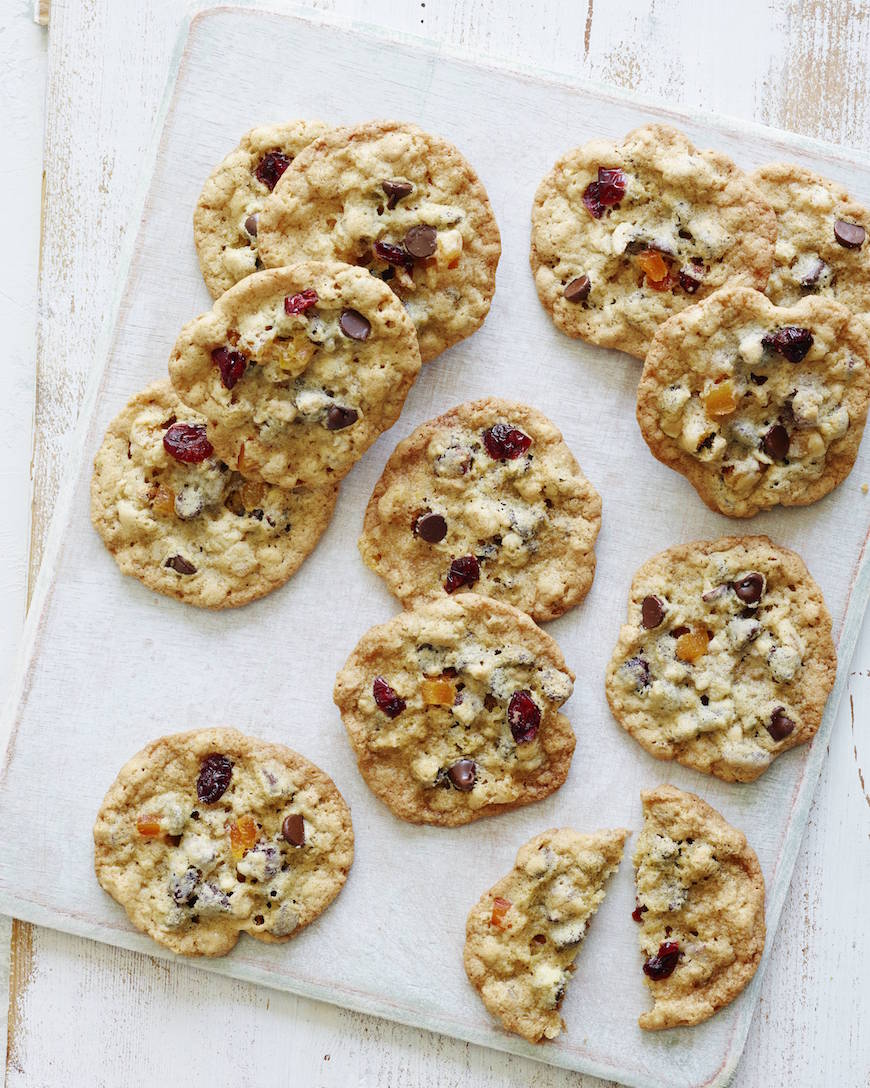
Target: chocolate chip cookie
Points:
(226, 215)
(298, 370)
(626, 234)
(489, 498)
(523, 936)
(821, 241)
(173, 514)
(726, 660)
(405, 205)
(209, 834)
(700, 906)
(757, 405)
(453, 711)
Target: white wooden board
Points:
(109, 665)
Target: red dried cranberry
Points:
(299, 303)
(271, 167)
(386, 698)
(604, 193)
(215, 773)
(187, 442)
(790, 341)
(231, 364)
(638, 669)
(392, 254)
(524, 717)
(690, 277)
(662, 964)
(638, 912)
(505, 443)
(463, 571)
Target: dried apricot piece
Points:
(721, 400)
(693, 644)
(438, 692)
(148, 827)
(243, 835)
(655, 268)
(500, 907)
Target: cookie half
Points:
(452, 711)
(726, 660)
(209, 834)
(524, 934)
(700, 906)
(757, 405)
(821, 241)
(173, 514)
(406, 205)
(486, 497)
(624, 235)
(226, 216)
(298, 370)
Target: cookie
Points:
(700, 907)
(452, 711)
(821, 242)
(757, 405)
(226, 214)
(624, 235)
(726, 660)
(177, 518)
(298, 370)
(209, 834)
(407, 206)
(486, 497)
(524, 934)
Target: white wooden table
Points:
(86, 1014)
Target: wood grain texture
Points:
(802, 65)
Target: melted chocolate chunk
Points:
(652, 611)
(578, 289)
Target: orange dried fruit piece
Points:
(500, 907)
(148, 827)
(243, 835)
(693, 644)
(252, 493)
(721, 400)
(438, 692)
(163, 501)
(654, 266)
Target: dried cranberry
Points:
(387, 699)
(231, 364)
(463, 571)
(780, 724)
(299, 303)
(790, 341)
(607, 191)
(638, 912)
(504, 442)
(524, 717)
(187, 442)
(638, 669)
(271, 167)
(662, 964)
(215, 773)
(392, 254)
(690, 278)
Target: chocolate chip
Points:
(337, 418)
(811, 279)
(180, 565)
(293, 829)
(780, 725)
(251, 225)
(578, 289)
(462, 775)
(430, 527)
(678, 632)
(396, 191)
(850, 235)
(652, 611)
(758, 379)
(421, 241)
(750, 587)
(776, 442)
(353, 324)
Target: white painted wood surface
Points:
(126, 1019)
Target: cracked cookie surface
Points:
(700, 905)
(194, 529)
(491, 484)
(821, 243)
(726, 660)
(298, 370)
(225, 220)
(624, 235)
(209, 834)
(406, 205)
(452, 710)
(523, 936)
(757, 405)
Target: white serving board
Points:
(107, 665)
